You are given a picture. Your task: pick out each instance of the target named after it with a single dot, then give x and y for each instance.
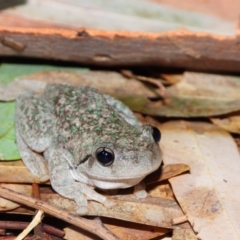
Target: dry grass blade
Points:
(36, 220)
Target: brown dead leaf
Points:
(197, 95)
(6, 205)
(133, 231)
(124, 230)
(166, 172)
(231, 123)
(16, 172)
(161, 191)
(186, 234)
(150, 211)
(111, 83)
(72, 232)
(209, 195)
(172, 78)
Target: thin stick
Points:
(161, 89)
(36, 220)
(179, 220)
(22, 225)
(92, 226)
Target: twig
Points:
(36, 220)
(36, 194)
(90, 225)
(179, 220)
(161, 89)
(22, 225)
(8, 238)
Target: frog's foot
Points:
(139, 190)
(82, 210)
(44, 177)
(141, 194)
(109, 203)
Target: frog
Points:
(83, 140)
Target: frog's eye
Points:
(156, 134)
(105, 156)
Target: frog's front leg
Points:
(34, 162)
(139, 190)
(60, 162)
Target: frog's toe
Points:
(109, 203)
(44, 177)
(82, 210)
(140, 194)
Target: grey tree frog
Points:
(82, 140)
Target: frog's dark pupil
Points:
(156, 134)
(105, 157)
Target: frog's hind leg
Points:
(62, 181)
(33, 132)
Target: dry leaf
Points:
(204, 94)
(124, 230)
(72, 233)
(161, 191)
(186, 234)
(197, 95)
(16, 172)
(172, 78)
(231, 123)
(166, 172)
(150, 211)
(209, 195)
(6, 205)
(111, 83)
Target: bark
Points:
(182, 49)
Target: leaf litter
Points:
(208, 193)
(196, 95)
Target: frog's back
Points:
(79, 112)
(70, 103)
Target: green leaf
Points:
(8, 72)
(8, 147)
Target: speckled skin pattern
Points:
(68, 124)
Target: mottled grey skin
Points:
(68, 124)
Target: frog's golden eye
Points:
(156, 134)
(105, 156)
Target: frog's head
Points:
(124, 162)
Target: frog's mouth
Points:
(115, 182)
(115, 176)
